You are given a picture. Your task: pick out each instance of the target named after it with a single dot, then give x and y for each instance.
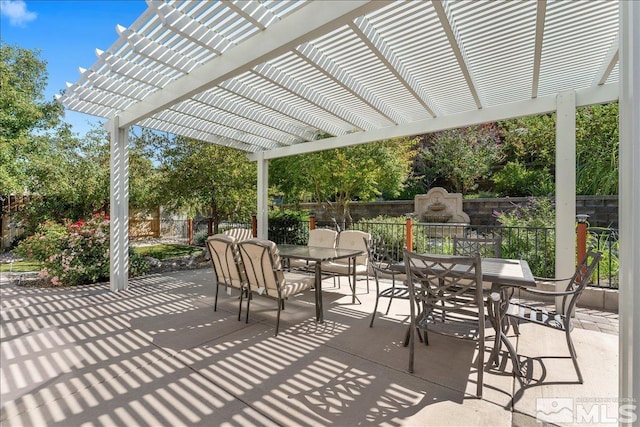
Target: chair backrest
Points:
(263, 266)
(488, 247)
(225, 258)
(354, 239)
(580, 279)
(448, 288)
(379, 258)
(323, 237)
(240, 234)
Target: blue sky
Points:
(67, 34)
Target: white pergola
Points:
(268, 77)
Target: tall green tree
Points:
(459, 159)
(24, 114)
(336, 177)
(212, 180)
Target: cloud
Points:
(16, 11)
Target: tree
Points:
(210, 179)
(336, 177)
(457, 159)
(24, 114)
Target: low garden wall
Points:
(602, 210)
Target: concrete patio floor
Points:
(158, 355)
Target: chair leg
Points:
(375, 308)
(240, 305)
(249, 298)
(574, 356)
(278, 317)
(215, 303)
(480, 368)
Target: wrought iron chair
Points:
(486, 246)
(380, 262)
(225, 258)
(558, 320)
(266, 276)
(447, 298)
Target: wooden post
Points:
(409, 233)
(190, 231)
(312, 222)
(254, 226)
(582, 236)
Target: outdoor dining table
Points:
(502, 275)
(317, 255)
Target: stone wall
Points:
(602, 210)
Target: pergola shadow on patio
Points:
(272, 77)
(157, 354)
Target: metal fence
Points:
(536, 245)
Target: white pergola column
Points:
(565, 187)
(263, 195)
(629, 206)
(119, 210)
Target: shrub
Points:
(76, 254)
(200, 238)
(529, 234)
(47, 240)
(516, 180)
(286, 226)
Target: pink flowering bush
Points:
(77, 256)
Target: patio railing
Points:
(536, 245)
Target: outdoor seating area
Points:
(158, 354)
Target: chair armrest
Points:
(549, 279)
(548, 293)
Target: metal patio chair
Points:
(559, 320)
(380, 261)
(447, 298)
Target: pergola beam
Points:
(598, 95)
(457, 47)
(303, 25)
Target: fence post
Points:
(209, 226)
(582, 236)
(254, 226)
(190, 231)
(312, 222)
(409, 233)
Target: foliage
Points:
(516, 180)
(287, 226)
(21, 266)
(23, 114)
(48, 239)
(529, 234)
(218, 182)
(77, 256)
(164, 251)
(200, 238)
(390, 229)
(606, 241)
(597, 150)
(459, 159)
(361, 172)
